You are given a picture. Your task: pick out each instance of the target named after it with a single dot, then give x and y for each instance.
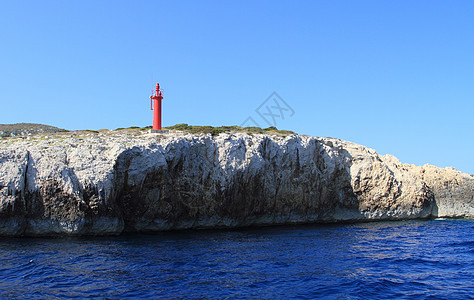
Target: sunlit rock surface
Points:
(133, 181)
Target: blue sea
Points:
(379, 260)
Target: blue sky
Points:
(396, 76)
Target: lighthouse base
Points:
(159, 131)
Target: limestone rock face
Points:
(132, 181)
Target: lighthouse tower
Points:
(156, 98)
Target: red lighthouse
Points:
(156, 98)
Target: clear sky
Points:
(396, 76)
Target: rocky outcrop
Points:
(134, 181)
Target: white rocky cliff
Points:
(133, 181)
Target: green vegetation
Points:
(217, 130)
(129, 128)
(44, 131)
(23, 129)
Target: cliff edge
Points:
(111, 182)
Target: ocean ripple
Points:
(386, 260)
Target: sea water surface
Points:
(383, 260)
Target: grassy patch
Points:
(24, 129)
(218, 130)
(129, 128)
